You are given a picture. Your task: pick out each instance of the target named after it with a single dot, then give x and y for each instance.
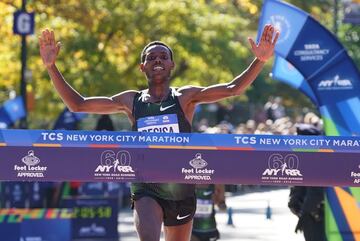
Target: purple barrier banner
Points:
(42, 155)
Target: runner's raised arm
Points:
(49, 50)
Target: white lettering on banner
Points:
(356, 176)
(173, 128)
(52, 136)
(335, 84)
(115, 166)
(165, 139)
(31, 167)
(311, 52)
(346, 143)
(198, 172)
(288, 172)
(245, 140)
(125, 138)
(297, 142)
(76, 137)
(270, 141)
(319, 142)
(195, 177)
(104, 138)
(30, 174)
(282, 169)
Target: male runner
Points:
(154, 204)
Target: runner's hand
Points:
(48, 48)
(265, 48)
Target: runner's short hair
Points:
(153, 44)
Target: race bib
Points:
(159, 123)
(203, 208)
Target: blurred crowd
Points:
(269, 120)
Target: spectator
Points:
(204, 224)
(308, 202)
(104, 123)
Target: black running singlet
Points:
(166, 116)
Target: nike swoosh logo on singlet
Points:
(166, 107)
(182, 217)
(207, 193)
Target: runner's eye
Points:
(150, 57)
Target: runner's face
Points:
(158, 63)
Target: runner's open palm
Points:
(48, 48)
(265, 48)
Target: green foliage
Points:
(102, 41)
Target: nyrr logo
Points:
(31, 167)
(198, 172)
(335, 84)
(111, 162)
(278, 165)
(115, 165)
(282, 169)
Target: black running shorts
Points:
(175, 212)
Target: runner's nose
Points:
(158, 60)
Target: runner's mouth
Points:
(158, 68)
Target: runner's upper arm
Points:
(121, 102)
(213, 93)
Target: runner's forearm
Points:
(242, 81)
(69, 95)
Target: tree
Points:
(102, 41)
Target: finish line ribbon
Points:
(42, 155)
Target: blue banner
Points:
(42, 155)
(5, 120)
(68, 120)
(285, 72)
(289, 23)
(11, 111)
(334, 79)
(15, 108)
(322, 61)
